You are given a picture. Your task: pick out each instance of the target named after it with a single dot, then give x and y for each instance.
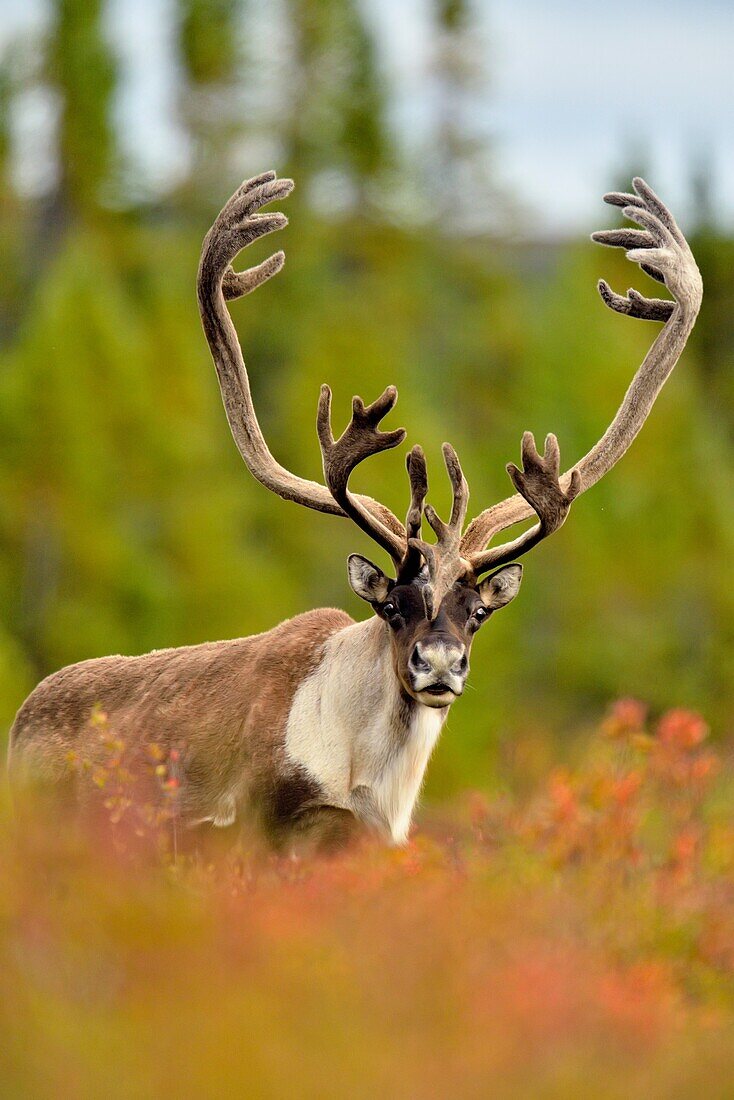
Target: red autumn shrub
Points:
(575, 940)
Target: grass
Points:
(575, 940)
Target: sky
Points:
(578, 91)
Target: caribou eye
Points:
(481, 614)
(389, 610)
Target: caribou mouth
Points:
(437, 695)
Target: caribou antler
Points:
(360, 439)
(416, 465)
(661, 250)
(442, 557)
(238, 225)
(657, 245)
(538, 483)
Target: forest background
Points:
(127, 521)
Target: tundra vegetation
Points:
(522, 944)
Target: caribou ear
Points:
(369, 582)
(502, 587)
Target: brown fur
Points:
(223, 705)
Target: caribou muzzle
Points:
(438, 668)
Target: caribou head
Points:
(443, 590)
(440, 591)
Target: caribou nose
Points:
(444, 660)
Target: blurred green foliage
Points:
(128, 522)
(81, 70)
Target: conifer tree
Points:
(336, 122)
(714, 333)
(460, 156)
(210, 59)
(82, 72)
(12, 211)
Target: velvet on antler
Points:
(662, 252)
(360, 439)
(657, 245)
(236, 227)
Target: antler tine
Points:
(418, 475)
(443, 558)
(449, 534)
(459, 485)
(538, 482)
(634, 304)
(360, 439)
(239, 224)
(235, 284)
(659, 231)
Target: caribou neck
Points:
(359, 735)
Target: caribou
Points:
(323, 727)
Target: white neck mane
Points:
(356, 734)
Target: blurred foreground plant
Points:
(137, 787)
(514, 948)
